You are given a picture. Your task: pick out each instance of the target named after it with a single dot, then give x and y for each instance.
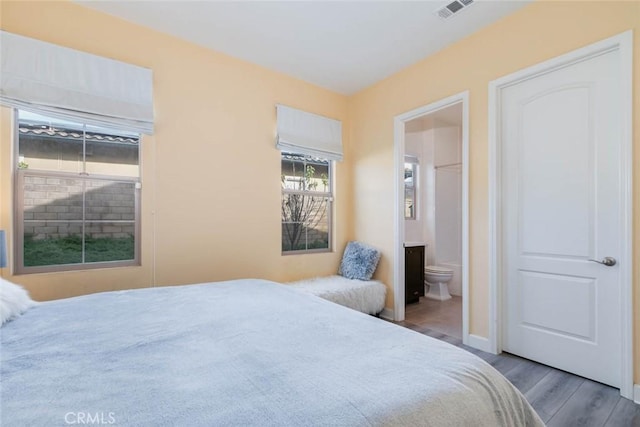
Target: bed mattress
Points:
(239, 353)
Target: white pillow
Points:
(14, 301)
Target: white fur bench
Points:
(367, 296)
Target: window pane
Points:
(110, 212)
(292, 172)
(409, 203)
(317, 177)
(289, 243)
(51, 199)
(305, 173)
(111, 154)
(105, 241)
(305, 222)
(61, 243)
(409, 174)
(45, 147)
(110, 200)
(317, 229)
(52, 243)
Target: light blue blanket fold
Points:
(238, 353)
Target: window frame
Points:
(328, 195)
(19, 196)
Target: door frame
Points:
(399, 148)
(624, 44)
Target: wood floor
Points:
(439, 316)
(561, 399)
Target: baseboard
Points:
(387, 314)
(636, 393)
(478, 342)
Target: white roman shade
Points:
(45, 78)
(306, 133)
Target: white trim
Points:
(398, 219)
(636, 393)
(465, 217)
(494, 201)
(398, 269)
(624, 43)
(386, 314)
(625, 46)
(480, 343)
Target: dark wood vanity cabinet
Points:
(413, 273)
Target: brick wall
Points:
(54, 207)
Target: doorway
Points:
(431, 148)
(561, 210)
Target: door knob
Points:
(608, 261)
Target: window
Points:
(77, 195)
(410, 184)
(307, 200)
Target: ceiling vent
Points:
(453, 8)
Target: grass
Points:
(68, 250)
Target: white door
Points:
(561, 192)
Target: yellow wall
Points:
(203, 221)
(536, 33)
(210, 173)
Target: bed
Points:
(366, 296)
(238, 353)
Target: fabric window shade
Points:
(306, 133)
(45, 78)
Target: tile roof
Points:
(302, 157)
(47, 131)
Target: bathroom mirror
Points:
(410, 185)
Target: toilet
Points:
(437, 278)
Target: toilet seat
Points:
(437, 269)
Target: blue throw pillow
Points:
(359, 261)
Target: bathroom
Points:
(433, 215)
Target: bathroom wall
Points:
(429, 193)
(448, 201)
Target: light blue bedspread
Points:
(238, 353)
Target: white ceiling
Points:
(343, 46)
